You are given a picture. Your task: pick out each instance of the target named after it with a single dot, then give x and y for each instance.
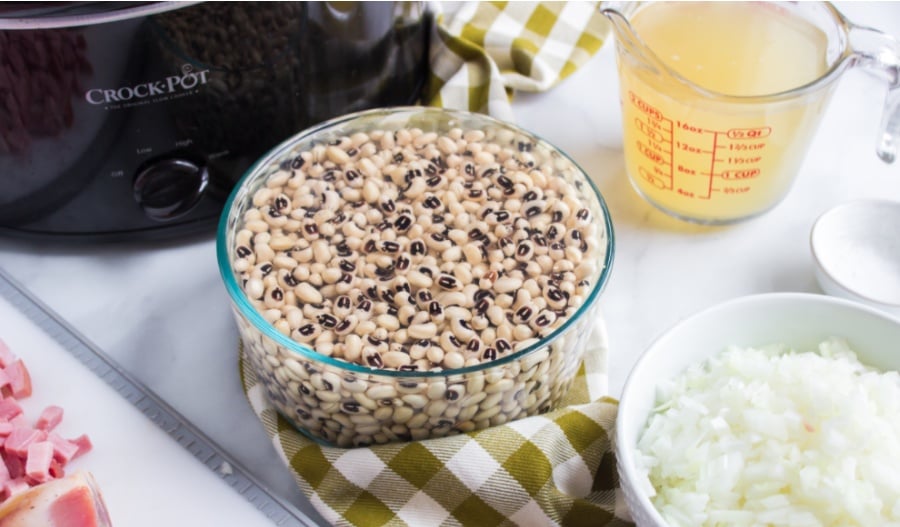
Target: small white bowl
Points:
(856, 248)
(800, 320)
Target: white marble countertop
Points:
(160, 310)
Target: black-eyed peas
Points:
(443, 242)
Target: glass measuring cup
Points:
(715, 133)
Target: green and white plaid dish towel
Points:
(485, 51)
(552, 469)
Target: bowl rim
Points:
(815, 241)
(625, 452)
(246, 310)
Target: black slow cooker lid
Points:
(44, 15)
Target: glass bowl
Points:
(399, 378)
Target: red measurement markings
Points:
(712, 165)
(746, 147)
(652, 154)
(658, 178)
(694, 149)
(737, 175)
(743, 160)
(742, 141)
(645, 107)
(749, 133)
(658, 146)
(687, 127)
(653, 130)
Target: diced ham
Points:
(9, 408)
(63, 449)
(15, 486)
(19, 421)
(15, 465)
(57, 470)
(84, 445)
(7, 357)
(4, 474)
(49, 418)
(19, 380)
(37, 462)
(18, 440)
(34, 488)
(4, 381)
(73, 501)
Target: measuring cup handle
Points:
(879, 52)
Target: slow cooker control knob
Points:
(169, 188)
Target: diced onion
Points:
(774, 436)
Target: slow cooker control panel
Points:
(169, 188)
(142, 128)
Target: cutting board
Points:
(145, 476)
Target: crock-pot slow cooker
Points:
(134, 120)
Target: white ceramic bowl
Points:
(856, 249)
(798, 319)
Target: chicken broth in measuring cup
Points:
(744, 49)
(721, 100)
